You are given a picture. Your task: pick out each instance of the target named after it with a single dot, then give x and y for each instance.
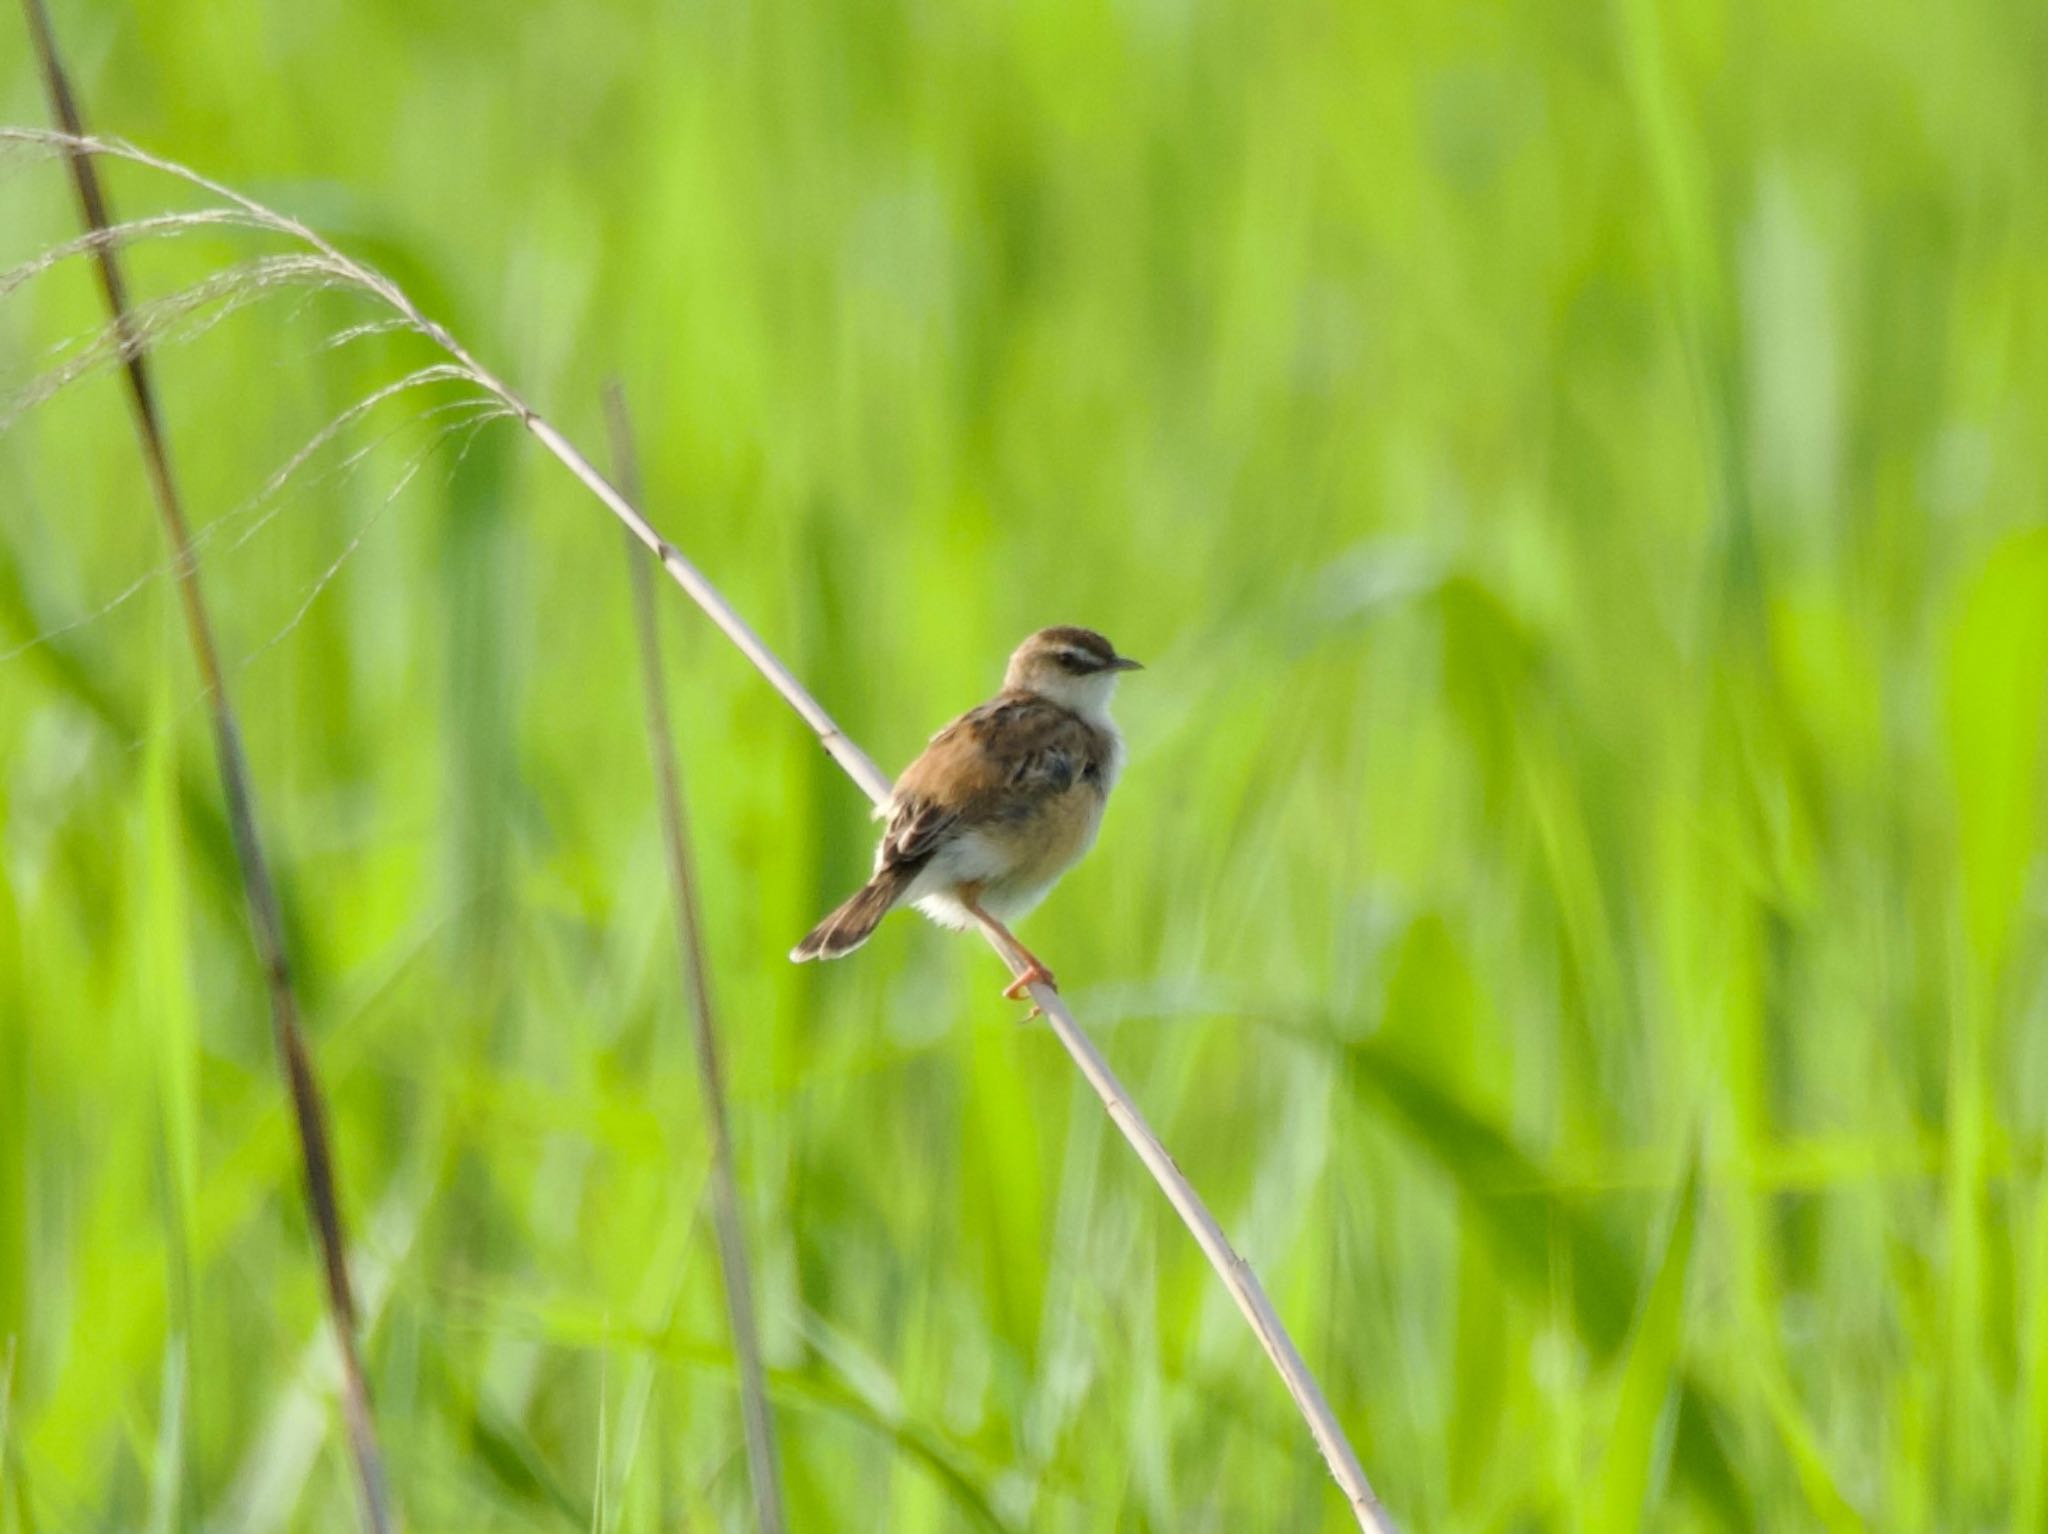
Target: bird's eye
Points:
(1080, 662)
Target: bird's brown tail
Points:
(850, 926)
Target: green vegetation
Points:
(1575, 906)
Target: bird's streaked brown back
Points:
(992, 767)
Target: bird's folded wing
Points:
(1001, 762)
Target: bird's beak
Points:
(1125, 663)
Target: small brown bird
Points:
(1000, 804)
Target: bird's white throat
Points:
(1087, 696)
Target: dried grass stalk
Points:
(265, 915)
(1236, 1274)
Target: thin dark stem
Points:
(729, 1229)
(265, 916)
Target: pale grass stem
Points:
(1236, 1275)
(727, 1226)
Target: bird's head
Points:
(1074, 667)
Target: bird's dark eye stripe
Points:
(1080, 661)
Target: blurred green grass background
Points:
(1575, 905)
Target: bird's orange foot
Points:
(1037, 974)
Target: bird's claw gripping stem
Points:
(1035, 974)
